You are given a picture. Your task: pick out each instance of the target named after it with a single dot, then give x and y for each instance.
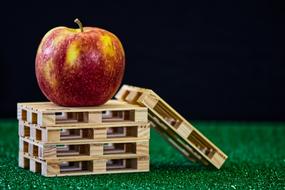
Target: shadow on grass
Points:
(191, 167)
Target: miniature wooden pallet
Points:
(175, 128)
(83, 151)
(48, 114)
(50, 168)
(80, 134)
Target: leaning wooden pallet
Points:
(173, 127)
(60, 141)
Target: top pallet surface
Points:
(49, 114)
(175, 128)
(49, 107)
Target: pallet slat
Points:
(194, 145)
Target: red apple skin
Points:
(79, 68)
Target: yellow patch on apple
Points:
(48, 73)
(107, 46)
(72, 53)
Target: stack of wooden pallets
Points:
(60, 141)
(112, 138)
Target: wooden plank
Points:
(141, 115)
(21, 130)
(142, 148)
(86, 125)
(33, 135)
(23, 162)
(144, 132)
(132, 96)
(49, 107)
(149, 100)
(96, 150)
(32, 117)
(143, 163)
(88, 158)
(103, 172)
(99, 166)
(53, 136)
(21, 113)
(31, 149)
(89, 141)
(52, 169)
(46, 119)
(48, 152)
(95, 117)
(184, 130)
(100, 134)
(32, 165)
(218, 159)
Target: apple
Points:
(79, 67)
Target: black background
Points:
(211, 60)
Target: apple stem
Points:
(77, 21)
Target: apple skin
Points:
(79, 68)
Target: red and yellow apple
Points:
(79, 67)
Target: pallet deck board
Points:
(49, 107)
(85, 125)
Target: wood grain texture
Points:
(144, 132)
(184, 130)
(95, 117)
(142, 148)
(49, 107)
(99, 166)
(96, 150)
(100, 134)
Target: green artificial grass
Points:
(256, 161)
